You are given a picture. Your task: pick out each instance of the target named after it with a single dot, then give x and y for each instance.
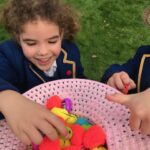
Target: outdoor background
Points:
(111, 31)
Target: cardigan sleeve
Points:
(8, 74)
(131, 67)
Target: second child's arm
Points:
(139, 105)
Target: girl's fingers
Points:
(47, 129)
(118, 82)
(132, 84)
(126, 88)
(145, 127)
(125, 78)
(118, 98)
(58, 124)
(111, 82)
(115, 82)
(24, 138)
(135, 122)
(34, 134)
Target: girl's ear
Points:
(16, 38)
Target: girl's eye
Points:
(52, 42)
(31, 44)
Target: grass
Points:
(111, 31)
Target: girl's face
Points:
(41, 43)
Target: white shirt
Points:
(52, 70)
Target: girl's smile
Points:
(41, 43)
(43, 61)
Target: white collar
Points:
(52, 70)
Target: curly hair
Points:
(18, 12)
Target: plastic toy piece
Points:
(70, 132)
(86, 126)
(67, 104)
(35, 147)
(126, 89)
(94, 137)
(47, 144)
(60, 112)
(82, 121)
(72, 119)
(78, 133)
(64, 143)
(53, 101)
(73, 147)
(99, 148)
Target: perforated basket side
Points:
(89, 101)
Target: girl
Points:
(40, 51)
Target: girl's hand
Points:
(139, 105)
(29, 120)
(119, 80)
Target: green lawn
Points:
(111, 31)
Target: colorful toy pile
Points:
(84, 135)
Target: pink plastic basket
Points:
(89, 101)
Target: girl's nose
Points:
(43, 50)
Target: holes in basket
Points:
(132, 135)
(67, 85)
(111, 107)
(114, 124)
(113, 119)
(37, 95)
(108, 122)
(40, 99)
(45, 86)
(143, 138)
(28, 95)
(87, 112)
(127, 119)
(43, 101)
(36, 90)
(112, 144)
(119, 141)
(74, 110)
(124, 131)
(123, 125)
(44, 91)
(103, 102)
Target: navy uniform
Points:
(17, 73)
(138, 68)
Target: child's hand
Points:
(29, 120)
(119, 80)
(139, 105)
